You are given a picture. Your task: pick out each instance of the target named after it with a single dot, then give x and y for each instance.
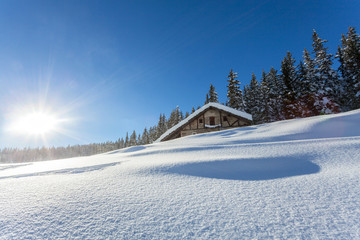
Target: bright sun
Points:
(36, 123)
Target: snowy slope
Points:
(296, 179)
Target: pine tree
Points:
(172, 119)
(212, 95)
(145, 137)
(288, 78)
(312, 87)
(179, 114)
(327, 77)
(349, 58)
(311, 80)
(234, 93)
(176, 116)
(315, 86)
(153, 134)
(288, 75)
(127, 140)
(264, 101)
(302, 86)
(133, 139)
(254, 99)
(122, 143)
(304, 103)
(275, 95)
(162, 126)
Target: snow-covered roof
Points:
(206, 106)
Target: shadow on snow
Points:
(249, 169)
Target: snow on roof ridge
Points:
(210, 104)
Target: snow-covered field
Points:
(296, 179)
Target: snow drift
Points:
(295, 179)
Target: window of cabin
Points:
(212, 120)
(200, 120)
(225, 118)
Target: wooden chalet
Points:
(211, 117)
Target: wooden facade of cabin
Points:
(209, 120)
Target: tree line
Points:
(312, 87)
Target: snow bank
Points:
(296, 179)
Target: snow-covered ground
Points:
(296, 179)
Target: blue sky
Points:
(109, 67)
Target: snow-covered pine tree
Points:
(153, 134)
(212, 95)
(275, 92)
(331, 88)
(127, 140)
(288, 74)
(175, 117)
(133, 139)
(162, 126)
(303, 104)
(231, 89)
(234, 93)
(264, 101)
(349, 58)
(312, 87)
(302, 86)
(246, 98)
(254, 99)
(172, 119)
(178, 115)
(313, 98)
(145, 137)
(288, 78)
(311, 80)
